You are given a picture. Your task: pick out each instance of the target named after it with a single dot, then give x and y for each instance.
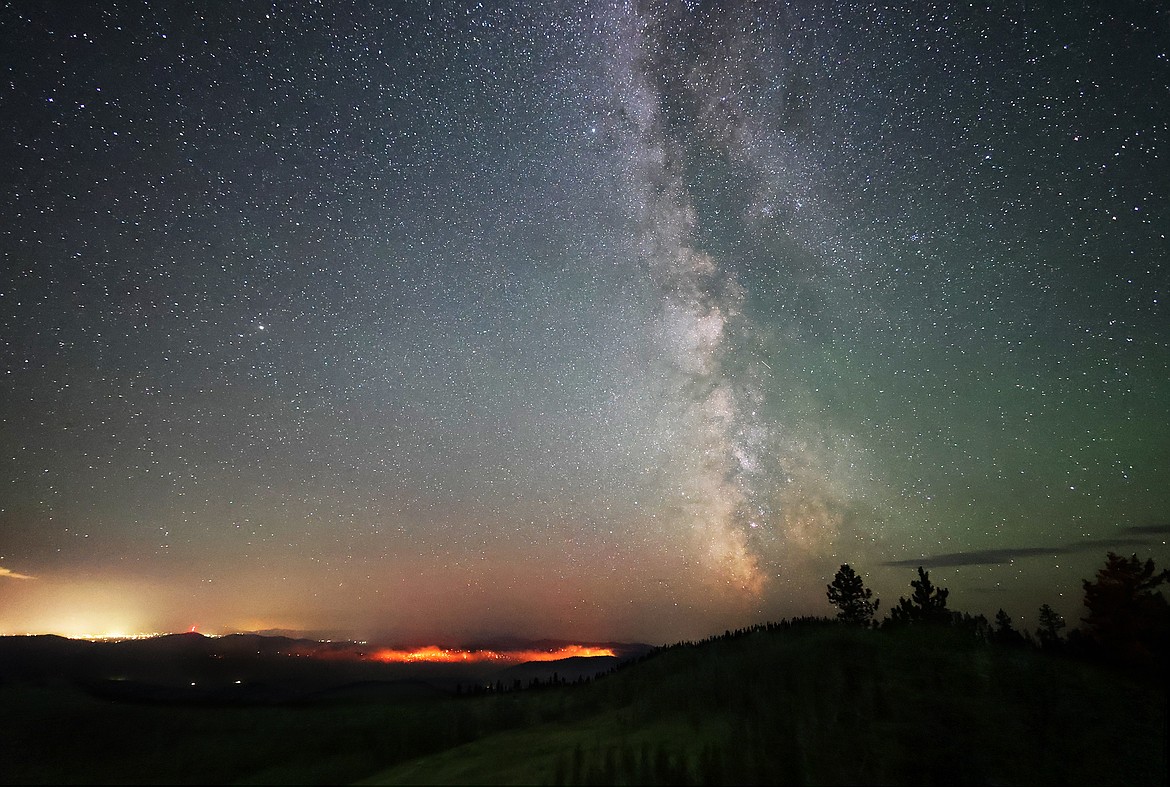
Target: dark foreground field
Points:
(811, 704)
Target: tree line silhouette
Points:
(1126, 623)
(1127, 620)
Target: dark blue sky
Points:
(587, 319)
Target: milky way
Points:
(630, 320)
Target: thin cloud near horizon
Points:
(1159, 529)
(982, 557)
(7, 572)
(1138, 535)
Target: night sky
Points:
(444, 321)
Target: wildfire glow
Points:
(433, 653)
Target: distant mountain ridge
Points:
(248, 667)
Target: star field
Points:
(614, 319)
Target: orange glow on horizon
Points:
(435, 654)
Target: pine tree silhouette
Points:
(927, 604)
(1049, 630)
(851, 597)
(1127, 615)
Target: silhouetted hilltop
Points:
(805, 702)
(817, 702)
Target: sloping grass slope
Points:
(827, 705)
(810, 704)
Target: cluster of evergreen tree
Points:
(1127, 620)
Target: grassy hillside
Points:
(832, 705)
(812, 704)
